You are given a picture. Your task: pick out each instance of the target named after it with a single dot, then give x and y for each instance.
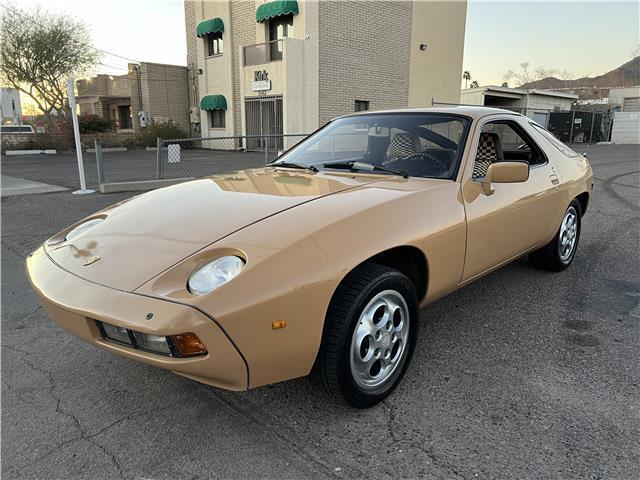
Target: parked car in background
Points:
(318, 263)
(20, 129)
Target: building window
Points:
(361, 105)
(279, 28)
(214, 43)
(217, 119)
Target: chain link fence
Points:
(200, 157)
(570, 126)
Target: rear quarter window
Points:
(555, 142)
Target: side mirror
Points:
(279, 154)
(505, 172)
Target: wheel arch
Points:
(583, 200)
(409, 260)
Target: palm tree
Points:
(474, 84)
(466, 76)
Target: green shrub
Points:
(165, 130)
(89, 123)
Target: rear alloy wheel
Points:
(369, 335)
(560, 252)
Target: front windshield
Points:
(418, 144)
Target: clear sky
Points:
(586, 38)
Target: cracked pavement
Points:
(523, 374)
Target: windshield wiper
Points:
(293, 165)
(368, 167)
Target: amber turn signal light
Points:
(188, 345)
(278, 324)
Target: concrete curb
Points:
(115, 187)
(155, 149)
(31, 152)
(109, 149)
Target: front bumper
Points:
(75, 304)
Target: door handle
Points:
(554, 179)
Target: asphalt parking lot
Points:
(133, 165)
(523, 374)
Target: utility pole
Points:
(76, 133)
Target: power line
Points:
(73, 40)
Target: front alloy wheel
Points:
(379, 340)
(369, 335)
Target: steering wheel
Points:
(433, 162)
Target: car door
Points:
(517, 216)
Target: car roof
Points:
(472, 111)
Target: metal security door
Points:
(264, 119)
(541, 118)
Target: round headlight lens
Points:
(83, 227)
(215, 273)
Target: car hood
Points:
(147, 234)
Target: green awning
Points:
(213, 102)
(275, 9)
(213, 25)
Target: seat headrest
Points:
(489, 151)
(489, 147)
(402, 145)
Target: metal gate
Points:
(264, 117)
(577, 126)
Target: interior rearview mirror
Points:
(505, 172)
(377, 131)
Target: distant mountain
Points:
(627, 75)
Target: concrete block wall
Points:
(105, 85)
(164, 94)
(192, 51)
(243, 32)
(363, 55)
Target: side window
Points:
(361, 105)
(214, 44)
(277, 29)
(555, 142)
(217, 119)
(504, 141)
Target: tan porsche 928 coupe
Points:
(320, 261)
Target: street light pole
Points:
(76, 133)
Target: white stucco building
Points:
(290, 66)
(626, 120)
(534, 103)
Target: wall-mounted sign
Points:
(173, 153)
(261, 81)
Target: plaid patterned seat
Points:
(401, 146)
(489, 151)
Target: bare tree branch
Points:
(39, 51)
(525, 75)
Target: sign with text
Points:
(261, 81)
(261, 85)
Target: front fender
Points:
(296, 260)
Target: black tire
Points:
(549, 257)
(355, 293)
